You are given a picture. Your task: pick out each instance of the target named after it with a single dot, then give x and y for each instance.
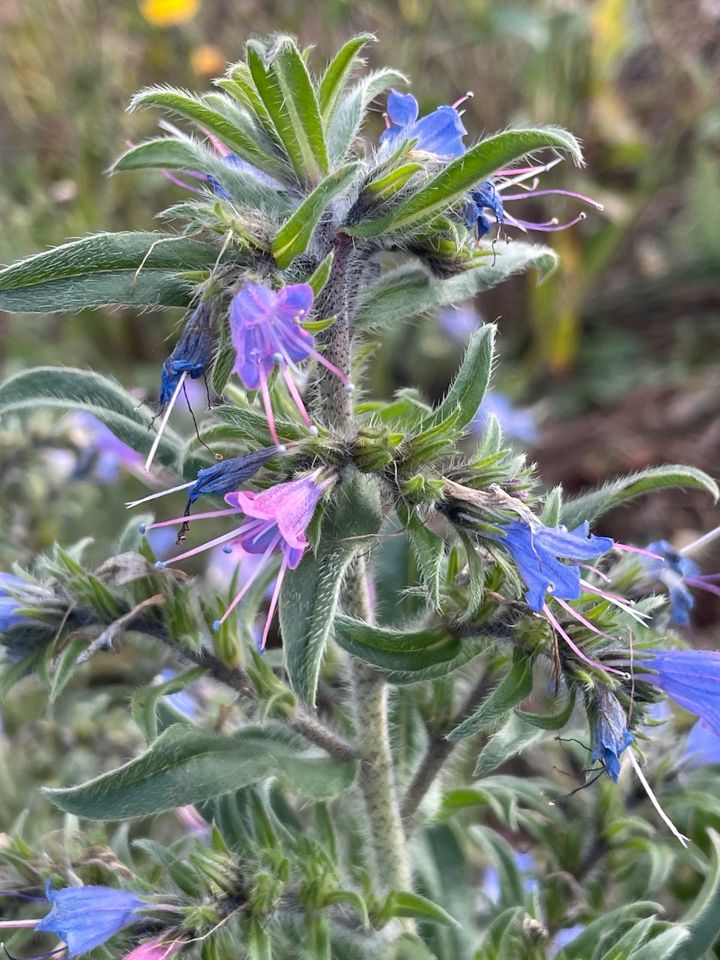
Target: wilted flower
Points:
(266, 333)
(276, 522)
(439, 133)
(610, 733)
(678, 573)
(85, 917)
(689, 677)
(486, 204)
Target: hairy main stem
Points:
(370, 693)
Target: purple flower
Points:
(459, 322)
(109, 454)
(689, 677)
(158, 948)
(702, 746)
(563, 937)
(514, 422)
(85, 917)
(610, 733)
(539, 553)
(439, 133)
(276, 522)
(266, 332)
(486, 203)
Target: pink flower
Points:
(276, 522)
(156, 949)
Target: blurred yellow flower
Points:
(167, 13)
(207, 60)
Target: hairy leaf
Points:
(335, 76)
(512, 689)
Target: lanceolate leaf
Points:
(430, 551)
(247, 142)
(103, 269)
(351, 110)
(335, 77)
(468, 388)
(187, 765)
(511, 739)
(594, 504)
(285, 88)
(293, 238)
(310, 594)
(409, 291)
(512, 689)
(703, 919)
(458, 177)
(65, 388)
(403, 650)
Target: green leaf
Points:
(402, 903)
(293, 237)
(387, 186)
(553, 506)
(665, 946)
(468, 388)
(703, 918)
(458, 177)
(430, 551)
(510, 740)
(389, 649)
(515, 686)
(65, 388)
(552, 721)
(287, 92)
(591, 505)
(351, 110)
(102, 269)
(248, 141)
(65, 665)
(185, 765)
(335, 76)
(321, 274)
(310, 594)
(144, 703)
(409, 290)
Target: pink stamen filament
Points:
(525, 172)
(18, 924)
(295, 394)
(163, 422)
(273, 603)
(468, 96)
(701, 542)
(232, 535)
(626, 547)
(549, 226)
(211, 514)
(316, 355)
(267, 404)
(701, 584)
(573, 646)
(616, 601)
(248, 583)
(547, 193)
(581, 619)
(181, 183)
(596, 571)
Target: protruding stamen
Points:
(547, 193)
(248, 583)
(267, 404)
(211, 514)
(468, 96)
(628, 548)
(273, 604)
(574, 647)
(295, 394)
(551, 226)
(654, 800)
(526, 172)
(232, 535)
(163, 422)
(700, 584)
(701, 542)
(616, 601)
(161, 493)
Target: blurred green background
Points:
(618, 355)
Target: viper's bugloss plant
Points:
(435, 603)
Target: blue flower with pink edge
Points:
(85, 917)
(689, 677)
(439, 133)
(541, 553)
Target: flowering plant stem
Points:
(369, 690)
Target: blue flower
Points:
(9, 605)
(105, 453)
(702, 745)
(610, 733)
(539, 552)
(514, 421)
(563, 937)
(689, 677)
(439, 133)
(482, 198)
(672, 569)
(85, 917)
(459, 322)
